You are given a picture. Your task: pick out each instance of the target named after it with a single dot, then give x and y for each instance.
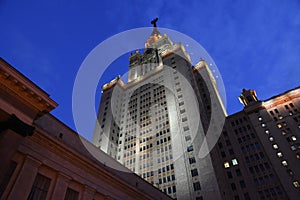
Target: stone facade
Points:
(42, 158)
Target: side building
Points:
(42, 158)
(258, 154)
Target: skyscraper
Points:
(156, 123)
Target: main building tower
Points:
(156, 122)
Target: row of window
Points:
(238, 121)
(233, 161)
(166, 169)
(40, 189)
(267, 193)
(166, 179)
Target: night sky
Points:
(255, 44)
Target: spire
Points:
(154, 22)
(155, 35)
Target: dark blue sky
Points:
(255, 44)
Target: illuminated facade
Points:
(258, 154)
(148, 124)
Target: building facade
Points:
(42, 158)
(257, 155)
(156, 122)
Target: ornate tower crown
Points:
(155, 35)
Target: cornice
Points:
(23, 89)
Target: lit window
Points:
(279, 154)
(263, 125)
(260, 119)
(283, 132)
(267, 131)
(294, 138)
(293, 148)
(226, 165)
(290, 113)
(280, 117)
(271, 139)
(275, 146)
(297, 156)
(234, 161)
(284, 163)
(279, 126)
(296, 184)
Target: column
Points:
(25, 179)
(9, 142)
(87, 193)
(61, 185)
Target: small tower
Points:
(248, 97)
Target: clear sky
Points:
(255, 44)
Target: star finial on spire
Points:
(154, 22)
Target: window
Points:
(39, 188)
(260, 119)
(267, 131)
(275, 146)
(263, 125)
(242, 184)
(71, 194)
(271, 139)
(284, 163)
(234, 161)
(293, 138)
(186, 128)
(233, 187)
(187, 138)
(194, 172)
(197, 186)
(226, 165)
(279, 154)
(174, 188)
(192, 160)
(296, 184)
(184, 119)
(223, 154)
(190, 148)
(229, 174)
(238, 172)
(279, 126)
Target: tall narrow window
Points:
(71, 194)
(197, 186)
(39, 188)
(194, 172)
